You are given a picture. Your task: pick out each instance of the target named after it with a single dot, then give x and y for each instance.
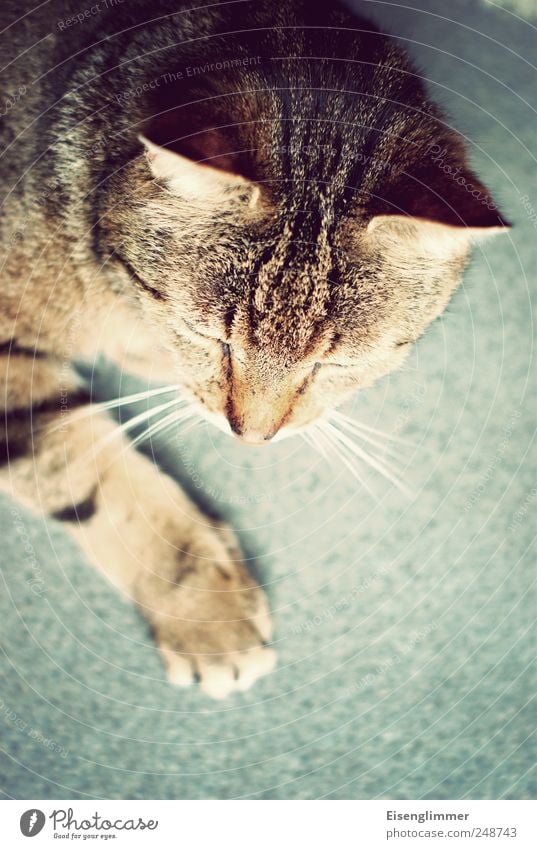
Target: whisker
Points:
(175, 417)
(126, 426)
(172, 418)
(136, 396)
(339, 452)
(383, 463)
(196, 423)
(95, 448)
(170, 436)
(91, 408)
(313, 438)
(368, 458)
(361, 426)
(344, 439)
(199, 420)
(319, 445)
(383, 447)
(310, 439)
(144, 415)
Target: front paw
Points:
(210, 619)
(219, 675)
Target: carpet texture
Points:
(403, 625)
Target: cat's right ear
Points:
(196, 180)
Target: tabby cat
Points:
(254, 201)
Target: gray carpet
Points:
(403, 625)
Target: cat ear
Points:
(196, 180)
(423, 235)
(440, 202)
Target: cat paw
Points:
(210, 619)
(219, 676)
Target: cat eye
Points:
(197, 332)
(336, 365)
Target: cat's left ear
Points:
(196, 180)
(441, 201)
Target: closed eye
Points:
(336, 365)
(197, 332)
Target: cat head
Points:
(290, 243)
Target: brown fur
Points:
(270, 235)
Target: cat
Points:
(254, 201)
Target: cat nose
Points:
(249, 435)
(254, 438)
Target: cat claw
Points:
(234, 672)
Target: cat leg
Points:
(184, 571)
